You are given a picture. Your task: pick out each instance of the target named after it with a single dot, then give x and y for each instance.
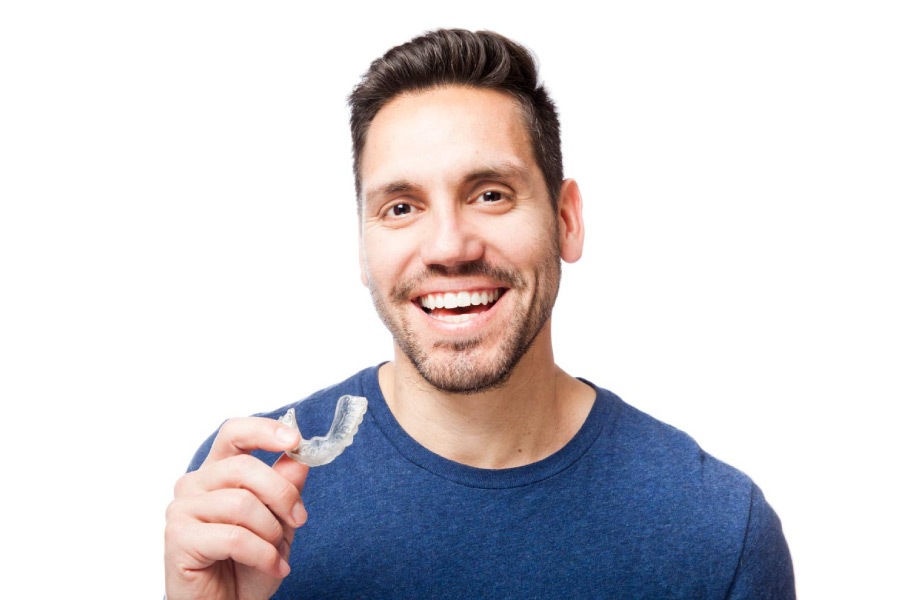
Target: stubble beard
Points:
(460, 366)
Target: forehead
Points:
(443, 133)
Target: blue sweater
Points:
(630, 508)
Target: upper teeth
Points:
(459, 299)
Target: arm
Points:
(765, 570)
(231, 524)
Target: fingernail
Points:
(298, 513)
(285, 435)
(284, 568)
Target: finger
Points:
(244, 472)
(296, 473)
(231, 507)
(246, 434)
(198, 545)
(287, 539)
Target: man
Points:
(482, 468)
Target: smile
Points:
(456, 307)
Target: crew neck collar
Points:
(600, 413)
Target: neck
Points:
(533, 414)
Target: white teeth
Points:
(459, 300)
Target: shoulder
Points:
(671, 486)
(314, 413)
(638, 442)
(765, 569)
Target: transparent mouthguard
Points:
(348, 414)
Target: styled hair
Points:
(481, 59)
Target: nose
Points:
(450, 239)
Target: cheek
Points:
(363, 275)
(381, 264)
(391, 249)
(527, 237)
(531, 253)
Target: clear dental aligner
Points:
(348, 414)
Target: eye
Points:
(400, 210)
(492, 197)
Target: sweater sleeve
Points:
(764, 570)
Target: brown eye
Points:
(399, 210)
(492, 196)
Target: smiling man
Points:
(482, 468)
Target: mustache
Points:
(506, 277)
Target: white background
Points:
(177, 246)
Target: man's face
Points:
(460, 246)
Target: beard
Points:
(468, 366)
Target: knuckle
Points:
(227, 430)
(277, 532)
(233, 538)
(175, 532)
(172, 511)
(238, 466)
(274, 534)
(181, 485)
(268, 555)
(286, 493)
(244, 462)
(243, 502)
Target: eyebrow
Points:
(393, 187)
(503, 170)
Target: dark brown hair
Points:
(481, 59)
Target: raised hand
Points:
(230, 527)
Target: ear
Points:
(571, 223)
(362, 263)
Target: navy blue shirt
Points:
(629, 508)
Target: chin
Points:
(464, 367)
(461, 381)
